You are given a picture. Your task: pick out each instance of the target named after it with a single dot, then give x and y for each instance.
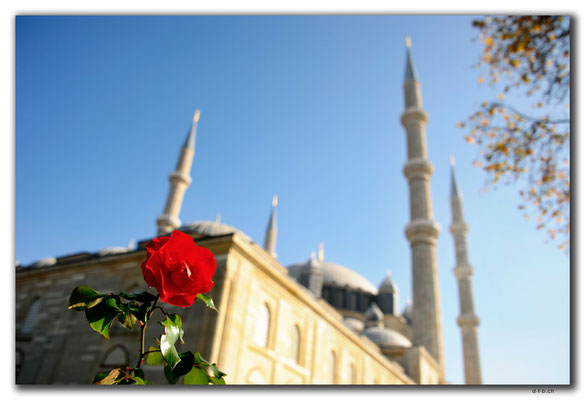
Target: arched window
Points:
(31, 317)
(115, 356)
(352, 301)
(294, 337)
(351, 373)
(332, 365)
(262, 325)
(256, 376)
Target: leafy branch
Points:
(531, 54)
(101, 309)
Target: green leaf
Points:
(169, 375)
(207, 300)
(178, 322)
(185, 365)
(100, 375)
(173, 332)
(196, 376)
(109, 378)
(217, 381)
(143, 297)
(154, 358)
(100, 317)
(126, 318)
(137, 372)
(216, 372)
(139, 310)
(84, 297)
(201, 361)
(138, 381)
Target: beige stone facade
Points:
(61, 348)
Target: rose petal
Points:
(156, 243)
(155, 265)
(148, 275)
(183, 300)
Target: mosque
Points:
(313, 322)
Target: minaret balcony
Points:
(468, 320)
(420, 168)
(422, 230)
(170, 221)
(177, 177)
(463, 271)
(414, 114)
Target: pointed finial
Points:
(454, 186)
(321, 255)
(388, 273)
(312, 256)
(274, 201)
(190, 141)
(131, 244)
(408, 41)
(410, 73)
(218, 218)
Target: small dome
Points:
(354, 324)
(336, 275)
(113, 250)
(385, 337)
(373, 313)
(46, 262)
(210, 228)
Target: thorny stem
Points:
(143, 331)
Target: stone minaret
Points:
(422, 231)
(270, 238)
(467, 320)
(180, 180)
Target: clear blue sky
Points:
(305, 107)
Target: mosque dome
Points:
(374, 314)
(113, 250)
(45, 262)
(354, 324)
(337, 275)
(384, 337)
(210, 228)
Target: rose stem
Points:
(143, 331)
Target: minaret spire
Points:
(321, 254)
(454, 186)
(270, 238)
(463, 271)
(422, 231)
(180, 180)
(410, 72)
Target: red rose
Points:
(178, 269)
